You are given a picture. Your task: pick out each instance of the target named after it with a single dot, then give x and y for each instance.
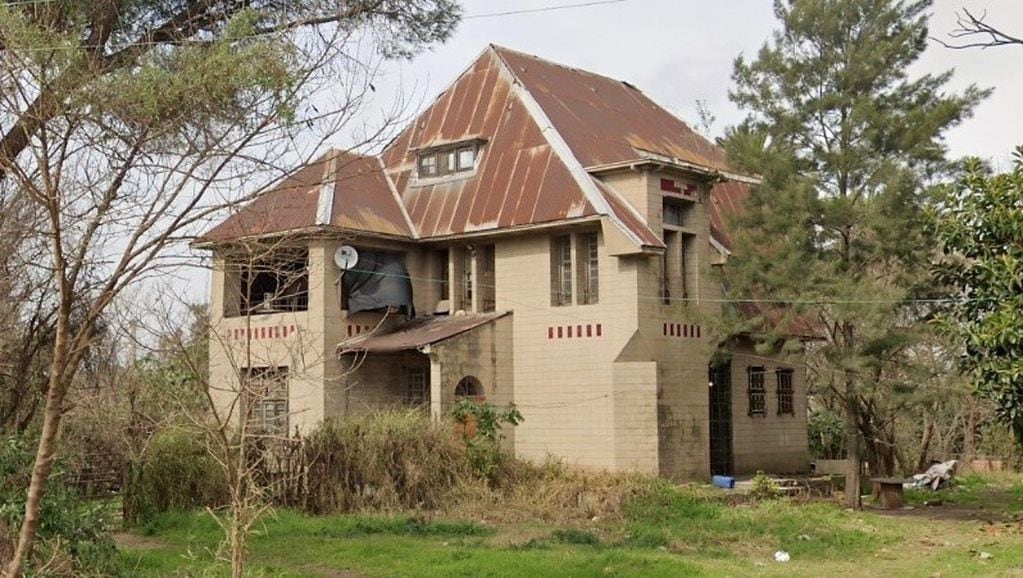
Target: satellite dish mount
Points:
(346, 257)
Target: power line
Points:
(543, 9)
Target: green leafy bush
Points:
(175, 473)
(481, 424)
(764, 488)
(73, 533)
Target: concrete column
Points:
(436, 387)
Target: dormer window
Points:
(448, 159)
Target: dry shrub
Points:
(549, 491)
(389, 461)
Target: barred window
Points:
(267, 390)
(587, 255)
(416, 389)
(785, 392)
(756, 390)
(561, 270)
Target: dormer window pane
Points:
(466, 158)
(448, 162)
(427, 165)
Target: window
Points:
(266, 388)
(440, 268)
(486, 269)
(466, 158)
(668, 264)
(678, 247)
(428, 165)
(756, 391)
(674, 212)
(469, 387)
(587, 255)
(416, 387)
(785, 392)
(447, 160)
(275, 283)
(561, 270)
(467, 278)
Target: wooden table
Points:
(890, 490)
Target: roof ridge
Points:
(498, 48)
(560, 148)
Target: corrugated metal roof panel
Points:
(418, 333)
(604, 120)
(362, 201)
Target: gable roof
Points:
(607, 121)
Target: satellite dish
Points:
(346, 257)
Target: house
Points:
(539, 235)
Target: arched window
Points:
(470, 387)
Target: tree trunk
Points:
(969, 434)
(43, 460)
(925, 444)
(852, 444)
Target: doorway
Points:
(720, 419)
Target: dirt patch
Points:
(127, 541)
(951, 512)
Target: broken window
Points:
(561, 270)
(469, 387)
(587, 255)
(266, 388)
(487, 278)
(379, 281)
(756, 390)
(675, 266)
(274, 283)
(785, 392)
(417, 389)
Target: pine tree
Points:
(849, 147)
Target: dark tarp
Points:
(377, 281)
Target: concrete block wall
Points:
(771, 442)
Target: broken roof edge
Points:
(560, 148)
(419, 334)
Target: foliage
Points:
(764, 488)
(483, 445)
(175, 473)
(980, 225)
(848, 144)
(386, 460)
(71, 529)
(826, 434)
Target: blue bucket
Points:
(726, 482)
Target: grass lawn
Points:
(666, 531)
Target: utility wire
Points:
(543, 9)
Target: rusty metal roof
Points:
(519, 179)
(726, 201)
(607, 121)
(418, 333)
(361, 200)
(541, 125)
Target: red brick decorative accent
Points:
(682, 330)
(589, 330)
(354, 330)
(262, 332)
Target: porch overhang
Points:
(416, 335)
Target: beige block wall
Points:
(485, 353)
(771, 442)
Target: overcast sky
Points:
(678, 51)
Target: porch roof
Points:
(416, 334)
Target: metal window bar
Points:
(785, 392)
(756, 391)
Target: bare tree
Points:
(973, 31)
(130, 124)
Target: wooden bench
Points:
(890, 490)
